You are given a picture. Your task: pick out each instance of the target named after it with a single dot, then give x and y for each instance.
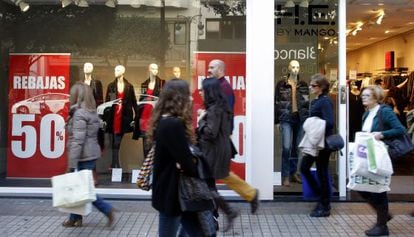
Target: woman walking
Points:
(322, 108)
(171, 129)
(83, 148)
(214, 130)
(382, 122)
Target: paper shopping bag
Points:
(82, 210)
(73, 189)
(379, 162)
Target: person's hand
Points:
(178, 166)
(200, 114)
(396, 111)
(378, 135)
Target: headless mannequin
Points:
(177, 72)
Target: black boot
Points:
(377, 230)
(321, 211)
(231, 213)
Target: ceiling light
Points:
(289, 3)
(304, 3)
(380, 17)
(23, 5)
(81, 3)
(111, 3)
(66, 3)
(387, 31)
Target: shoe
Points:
(254, 204)
(71, 223)
(377, 230)
(286, 182)
(111, 218)
(321, 211)
(295, 178)
(230, 220)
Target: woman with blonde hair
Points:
(83, 148)
(381, 121)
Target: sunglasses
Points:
(314, 85)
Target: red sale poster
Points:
(235, 74)
(38, 107)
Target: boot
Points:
(231, 213)
(378, 230)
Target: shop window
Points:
(213, 29)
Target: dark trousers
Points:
(322, 163)
(379, 202)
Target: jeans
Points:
(168, 225)
(116, 143)
(100, 204)
(322, 163)
(292, 133)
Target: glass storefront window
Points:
(44, 51)
(305, 44)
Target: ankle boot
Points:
(231, 213)
(378, 230)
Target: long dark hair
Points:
(214, 95)
(174, 101)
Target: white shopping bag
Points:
(82, 210)
(379, 162)
(362, 183)
(73, 189)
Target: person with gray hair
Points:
(83, 148)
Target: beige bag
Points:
(73, 189)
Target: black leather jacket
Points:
(283, 101)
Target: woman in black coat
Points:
(214, 130)
(171, 129)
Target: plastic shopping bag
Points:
(73, 189)
(363, 183)
(379, 162)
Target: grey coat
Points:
(82, 129)
(214, 140)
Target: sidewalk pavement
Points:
(24, 217)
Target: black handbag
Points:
(194, 193)
(398, 147)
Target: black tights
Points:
(378, 201)
(322, 162)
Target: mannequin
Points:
(121, 116)
(96, 85)
(291, 110)
(176, 72)
(152, 87)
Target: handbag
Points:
(144, 177)
(335, 142)
(73, 189)
(194, 193)
(399, 146)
